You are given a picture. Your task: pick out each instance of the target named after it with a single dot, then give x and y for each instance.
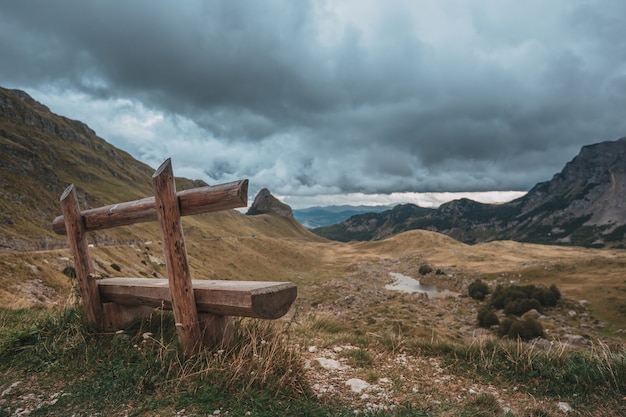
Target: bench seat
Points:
(256, 299)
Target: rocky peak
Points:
(266, 203)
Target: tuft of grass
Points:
(358, 357)
(141, 368)
(482, 405)
(327, 324)
(583, 377)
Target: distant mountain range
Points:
(584, 204)
(314, 217)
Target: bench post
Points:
(83, 264)
(179, 274)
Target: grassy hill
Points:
(42, 153)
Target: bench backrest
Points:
(167, 206)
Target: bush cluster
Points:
(425, 269)
(478, 290)
(514, 300)
(526, 329)
(518, 299)
(487, 317)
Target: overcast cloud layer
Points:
(331, 97)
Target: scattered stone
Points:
(312, 349)
(329, 363)
(357, 385)
(572, 314)
(156, 260)
(8, 390)
(576, 340)
(542, 344)
(533, 314)
(563, 406)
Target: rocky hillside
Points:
(582, 205)
(41, 153)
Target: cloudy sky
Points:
(321, 98)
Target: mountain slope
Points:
(584, 204)
(41, 153)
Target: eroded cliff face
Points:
(585, 202)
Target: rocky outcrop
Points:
(266, 203)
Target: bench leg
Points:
(216, 330)
(118, 316)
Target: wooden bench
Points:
(202, 308)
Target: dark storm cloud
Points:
(334, 96)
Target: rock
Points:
(576, 340)
(584, 303)
(312, 349)
(571, 314)
(8, 390)
(266, 203)
(533, 314)
(543, 344)
(329, 363)
(563, 406)
(357, 385)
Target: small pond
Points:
(407, 284)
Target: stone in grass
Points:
(357, 385)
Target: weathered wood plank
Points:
(83, 265)
(118, 316)
(216, 329)
(175, 252)
(257, 299)
(195, 201)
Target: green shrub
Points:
(520, 306)
(487, 318)
(425, 269)
(525, 329)
(503, 295)
(478, 290)
(69, 271)
(544, 296)
(116, 267)
(556, 292)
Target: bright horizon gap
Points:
(428, 200)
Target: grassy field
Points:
(419, 357)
